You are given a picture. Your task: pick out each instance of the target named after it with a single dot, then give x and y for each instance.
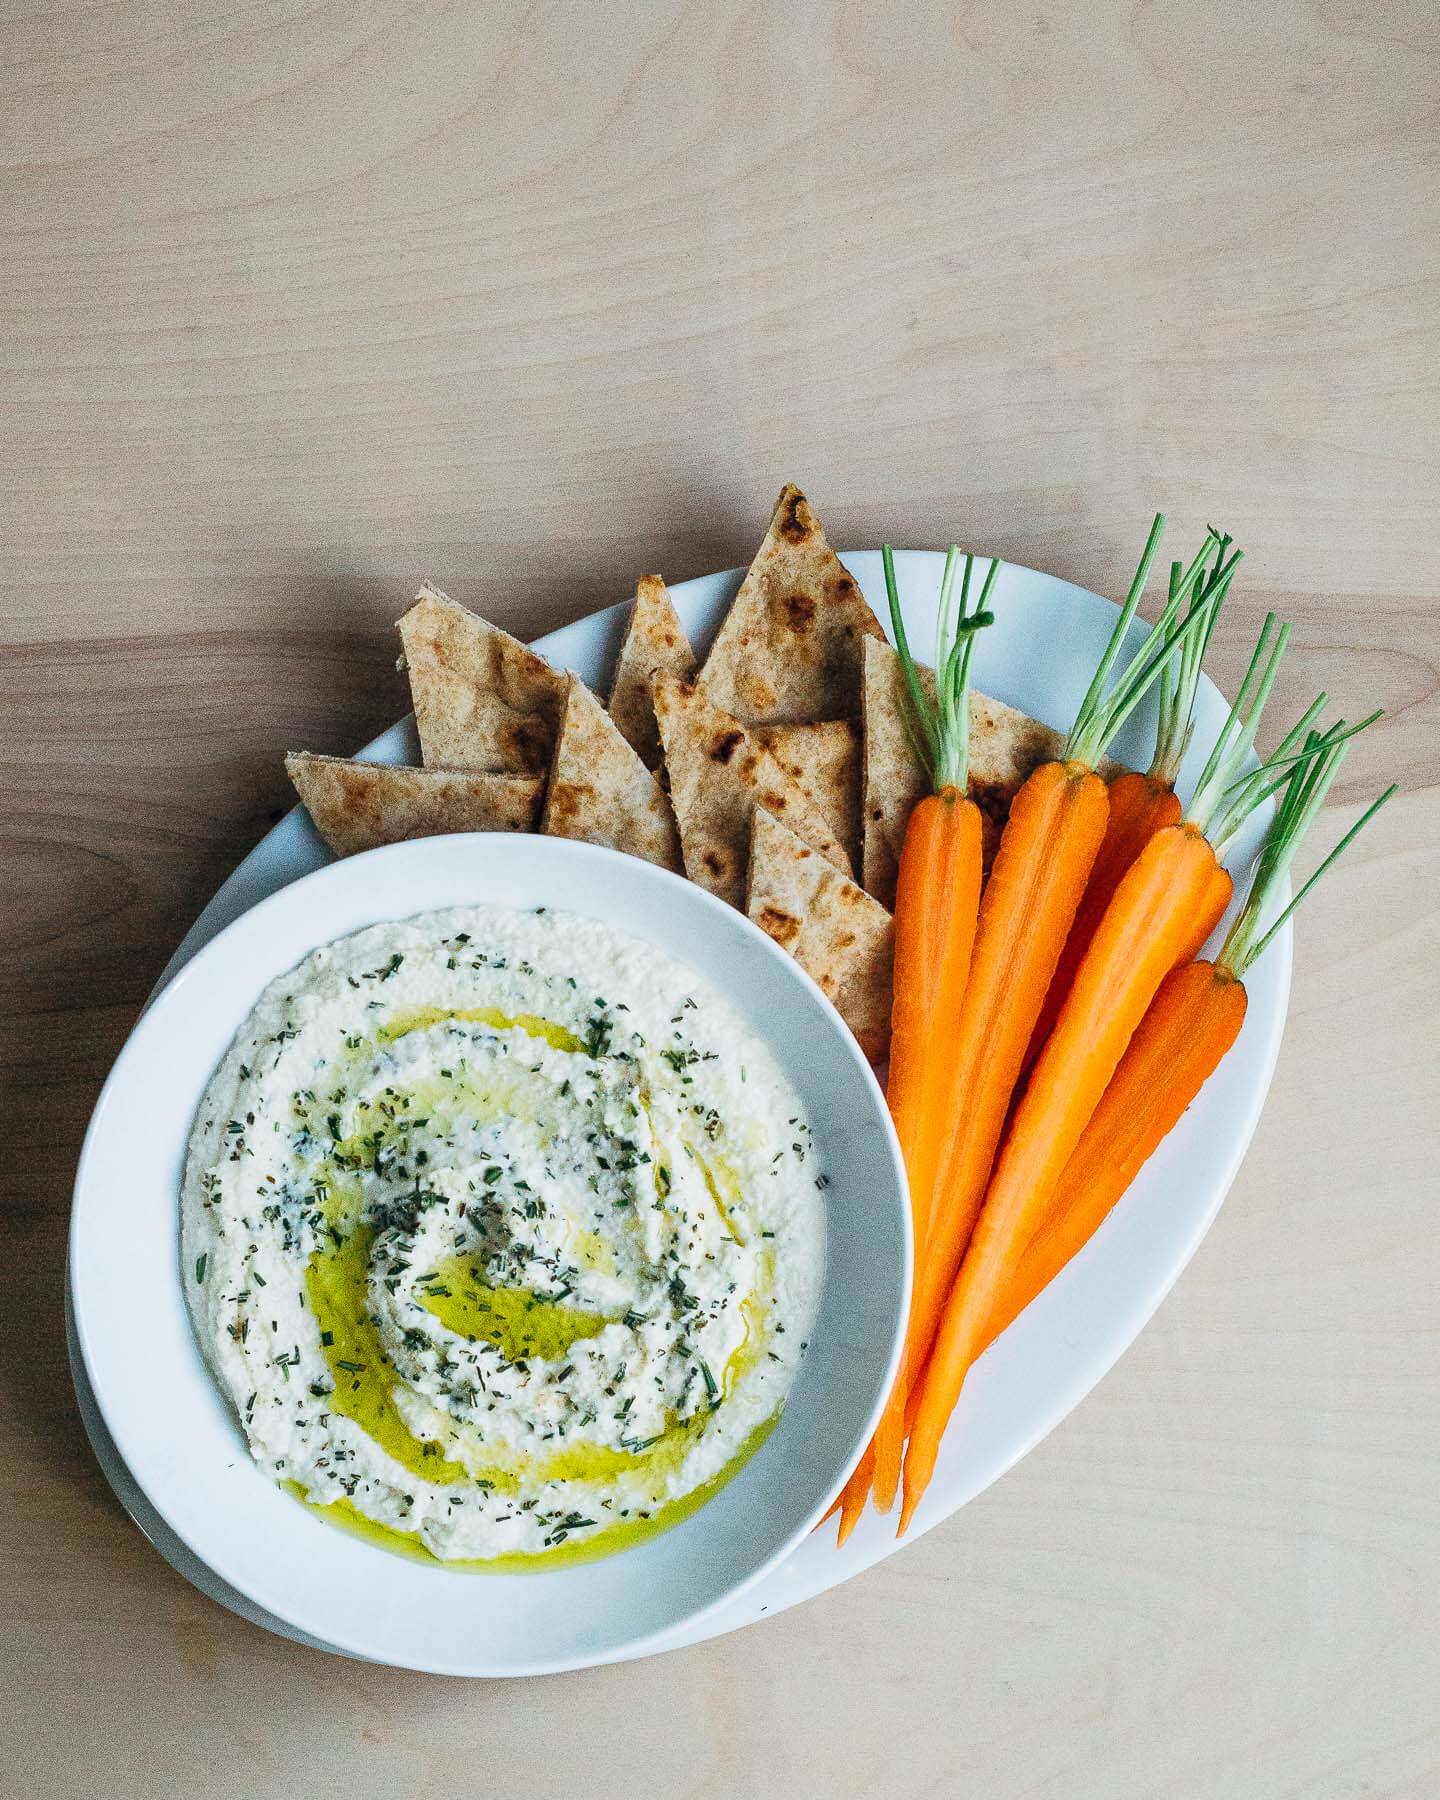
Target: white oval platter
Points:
(1038, 656)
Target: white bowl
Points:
(179, 1437)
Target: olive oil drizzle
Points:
(517, 1321)
(623, 1534)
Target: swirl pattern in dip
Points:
(501, 1231)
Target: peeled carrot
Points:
(1047, 850)
(936, 901)
(851, 1503)
(1141, 805)
(1208, 913)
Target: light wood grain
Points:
(304, 302)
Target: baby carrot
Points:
(936, 900)
(1191, 1024)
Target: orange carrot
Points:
(857, 1491)
(1191, 1024)
(936, 900)
(1208, 913)
(1056, 825)
(1135, 947)
(1025, 910)
(1151, 921)
(1193, 1020)
(1141, 805)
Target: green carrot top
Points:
(1108, 703)
(1303, 793)
(1180, 675)
(940, 727)
(1228, 792)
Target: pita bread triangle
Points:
(483, 700)
(600, 792)
(654, 642)
(718, 774)
(789, 650)
(838, 934)
(824, 762)
(361, 805)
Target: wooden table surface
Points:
(303, 302)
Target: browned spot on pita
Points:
(714, 797)
(800, 611)
(796, 521)
(784, 927)
(825, 763)
(566, 808)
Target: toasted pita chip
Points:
(360, 805)
(717, 775)
(601, 792)
(482, 699)
(824, 763)
(654, 643)
(789, 650)
(1005, 746)
(835, 931)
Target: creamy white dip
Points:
(502, 1231)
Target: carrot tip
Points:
(849, 1519)
(835, 1507)
(907, 1513)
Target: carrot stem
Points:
(1180, 678)
(1104, 710)
(1308, 785)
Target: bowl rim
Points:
(345, 871)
